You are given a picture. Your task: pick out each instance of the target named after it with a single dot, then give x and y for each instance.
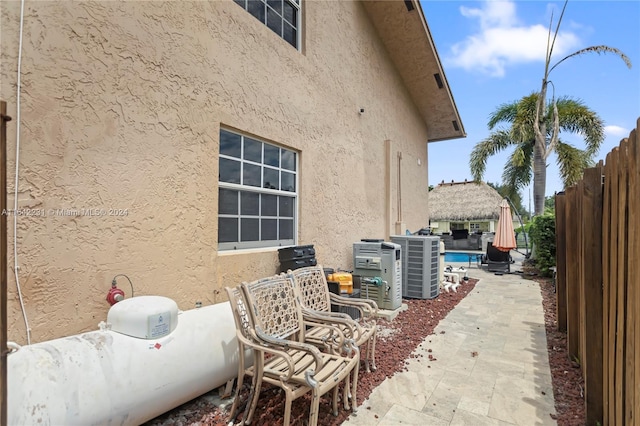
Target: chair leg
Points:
(315, 404)
(335, 401)
(236, 398)
(252, 400)
(287, 408)
(254, 395)
(354, 390)
(346, 391)
(372, 342)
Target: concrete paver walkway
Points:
(491, 365)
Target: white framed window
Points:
(281, 16)
(474, 226)
(257, 193)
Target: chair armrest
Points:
(366, 306)
(264, 349)
(335, 318)
(337, 337)
(285, 345)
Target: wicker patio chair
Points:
(298, 367)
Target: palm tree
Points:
(545, 141)
(571, 115)
(535, 128)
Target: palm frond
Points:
(496, 142)
(505, 113)
(517, 172)
(600, 50)
(576, 117)
(571, 162)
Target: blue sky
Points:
(493, 53)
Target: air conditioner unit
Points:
(420, 263)
(379, 259)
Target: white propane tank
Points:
(107, 377)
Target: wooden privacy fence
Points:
(598, 282)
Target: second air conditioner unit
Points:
(420, 263)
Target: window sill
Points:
(247, 251)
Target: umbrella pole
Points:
(526, 244)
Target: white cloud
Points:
(502, 40)
(616, 131)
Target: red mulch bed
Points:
(568, 384)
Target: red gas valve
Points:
(114, 295)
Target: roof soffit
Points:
(407, 38)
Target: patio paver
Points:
(492, 366)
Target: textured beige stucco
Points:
(122, 103)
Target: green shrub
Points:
(543, 236)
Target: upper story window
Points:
(281, 16)
(257, 193)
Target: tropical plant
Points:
(550, 204)
(572, 116)
(543, 236)
(535, 129)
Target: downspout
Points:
(387, 189)
(400, 227)
(399, 187)
(4, 335)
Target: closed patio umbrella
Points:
(505, 238)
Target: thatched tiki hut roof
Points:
(464, 201)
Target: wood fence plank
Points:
(561, 262)
(620, 206)
(634, 256)
(593, 300)
(606, 244)
(573, 294)
(611, 179)
(632, 370)
(580, 282)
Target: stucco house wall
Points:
(121, 108)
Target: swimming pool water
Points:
(459, 257)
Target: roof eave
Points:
(408, 41)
